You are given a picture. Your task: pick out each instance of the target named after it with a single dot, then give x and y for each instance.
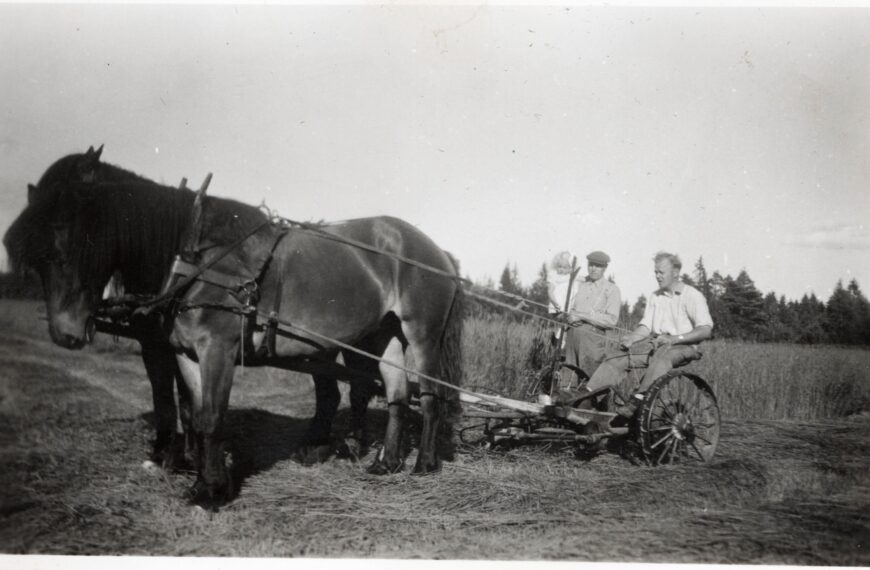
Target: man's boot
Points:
(573, 398)
(628, 409)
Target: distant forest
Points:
(741, 311)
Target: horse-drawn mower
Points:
(678, 421)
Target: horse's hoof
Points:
(312, 454)
(207, 499)
(351, 448)
(421, 468)
(198, 493)
(378, 467)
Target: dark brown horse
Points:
(351, 297)
(39, 239)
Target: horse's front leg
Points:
(160, 364)
(189, 455)
(391, 459)
(209, 383)
(316, 447)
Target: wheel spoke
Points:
(661, 428)
(669, 452)
(668, 420)
(676, 450)
(698, 451)
(662, 440)
(661, 455)
(705, 440)
(664, 409)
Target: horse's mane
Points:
(119, 220)
(65, 170)
(136, 228)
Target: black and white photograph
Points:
(372, 283)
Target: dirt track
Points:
(74, 429)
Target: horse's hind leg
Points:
(316, 446)
(425, 355)
(390, 459)
(160, 364)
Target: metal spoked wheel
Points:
(679, 420)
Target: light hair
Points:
(673, 258)
(561, 261)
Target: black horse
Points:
(349, 297)
(35, 240)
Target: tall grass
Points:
(751, 381)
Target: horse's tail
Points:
(451, 372)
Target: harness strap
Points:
(179, 284)
(184, 269)
(267, 348)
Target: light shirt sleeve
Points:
(612, 304)
(648, 311)
(697, 309)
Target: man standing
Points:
(675, 321)
(594, 309)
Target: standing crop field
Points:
(751, 380)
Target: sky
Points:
(505, 133)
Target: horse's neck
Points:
(146, 252)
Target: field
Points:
(790, 483)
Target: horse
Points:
(352, 298)
(33, 241)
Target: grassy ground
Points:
(75, 427)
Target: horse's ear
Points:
(94, 154)
(31, 193)
(87, 167)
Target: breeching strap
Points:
(361, 352)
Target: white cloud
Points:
(831, 236)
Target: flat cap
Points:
(598, 257)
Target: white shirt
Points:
(676, 313)
(560, 291)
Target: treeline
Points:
(739, 309)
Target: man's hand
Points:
(665, 340)
(626, 341)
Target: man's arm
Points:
(696, 335)
(699, 315)
(641, 332)
(608, 316)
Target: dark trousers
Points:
(585, 348)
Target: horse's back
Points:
(339, 288)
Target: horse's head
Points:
(55, 237)
(73, 168)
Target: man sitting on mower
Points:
(675, 321)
